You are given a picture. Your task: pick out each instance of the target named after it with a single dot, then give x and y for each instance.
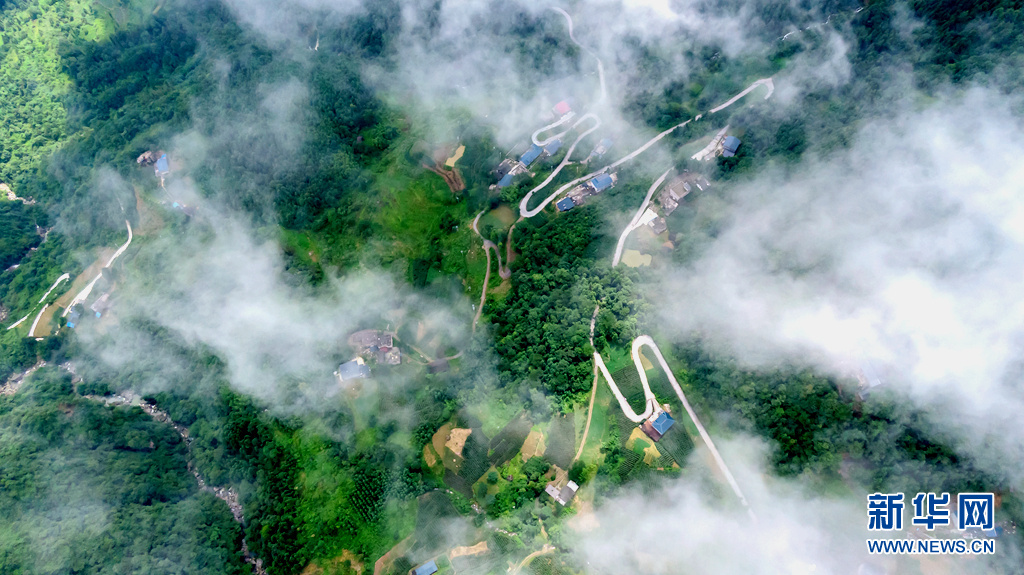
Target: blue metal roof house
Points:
(565, 204)
(505, 181)
(729, 146)
(530, 155)
(601, 183)
(355, 369)
(73, 318)
(657, 425)
(161, 165)
(553, 146)
(428, 568)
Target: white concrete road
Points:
(765, 81)
(524, 212)
(536, 135)
(84, 294)
(600, 64)
(55, 284)
(633, 224)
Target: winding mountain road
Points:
(600, 64)
(503, 271)
(536, 139)
(84, 294)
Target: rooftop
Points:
(428, 568)
(565, 204)
(354, 369)
(530, 155)
(553, 146)
(730, 145)
(663, 422)
(602, 182)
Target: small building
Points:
(531, 155)
(601, 182)
(673, 193)
(565, 204)
(601, 148)
(730, 145)
(505, 181)
(562, 108)
(162, 166)
(428, 568)
(564, 495)
(101, 305)
(73, 318)
(656, 425)
(553, 146)
(658, 225)
(355, 369)
(504, 168)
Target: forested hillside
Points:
(305, 145)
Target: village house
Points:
(657, 425)
(355, 369)
(564, 495)
(377, 344)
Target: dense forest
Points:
(85, 89)
(107, 489)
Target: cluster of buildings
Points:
(509, 168)
(668, 200)
(578, 195)
(371, 345)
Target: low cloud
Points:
(905, 250)
(216, 284)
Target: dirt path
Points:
(451, 177)
(503, 272)
(526, 560)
